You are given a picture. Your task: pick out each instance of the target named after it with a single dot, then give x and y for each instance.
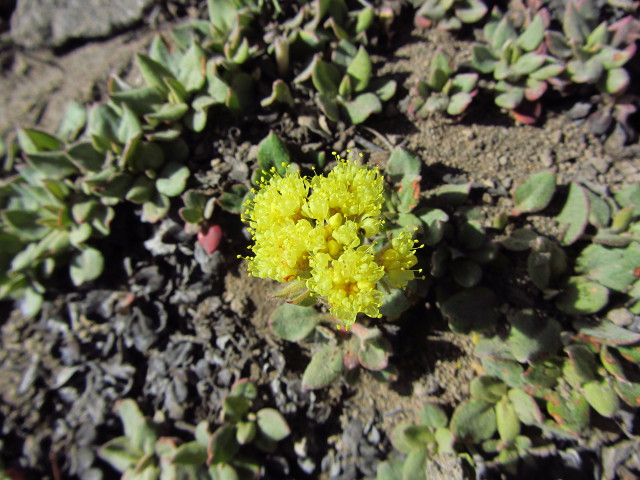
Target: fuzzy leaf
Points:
(581, 296)
(525, 407)
(611, 267)
(483, 59)
(272, 424)
(571, 413)
(473, 308)
(607, 333)
(487, 389)
(531, 336)
(574, 217)
(232, 200)
(273, 153)
(433, 416)
(223, 445)
(324, 368)
(459, 103)
(293, 322)
(601, 397)
(473, 420)
(280, 93)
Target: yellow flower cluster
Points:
(320, 231)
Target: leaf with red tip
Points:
(210, 238)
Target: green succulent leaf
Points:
(119, 453)
(280, 93)
(415, 465)
(86, 266)
(140, 431)
(531, 336)
(510, 99)
(154, 73)
(459, 103)
(617, 80)
(233, 200)
(507, 420)
(433, 416)
(73, 121)
(235, 407)
(470, 11)
(172, 179)
(35, 141)
(483, 58)
(273, 153)
(487, 389)
(156, 208)
(362, 107)
(326, 78)
(533, 34)
(360, 70)
(223, 445)
(629, 392)
(190, 453)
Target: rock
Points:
(38, 23)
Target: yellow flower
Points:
(280, 198)
(352, 190)
(281, 253)
(320, 231)
(348, 283)
(398, 259)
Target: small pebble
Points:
(546, 157)
(503, 160)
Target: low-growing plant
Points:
(444, 90)
(448, 14)
(518, 62)
(334, 352)
(605, 265)
(595, 53)
(144, 453)
(346, 83)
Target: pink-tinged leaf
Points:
(423, 22)
(527, 113)
(210, 238)
(535, 90)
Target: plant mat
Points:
(173, 328)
